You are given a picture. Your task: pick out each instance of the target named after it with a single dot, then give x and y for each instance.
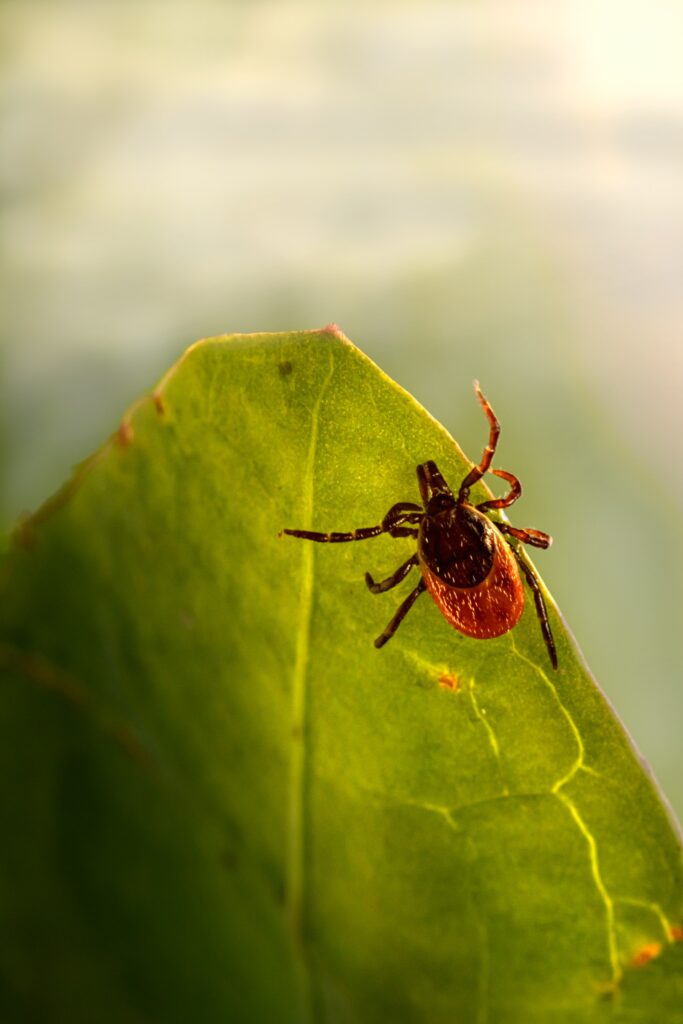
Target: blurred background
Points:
(488, 189)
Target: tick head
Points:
(436, 494)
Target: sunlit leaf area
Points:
(222, 802)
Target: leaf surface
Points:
(221, 802)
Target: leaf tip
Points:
(335, 330)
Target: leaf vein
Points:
(296, 852)
(493, 739)
(653, 908)
(599, 882)
(578, 763)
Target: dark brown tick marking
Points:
(466, 560)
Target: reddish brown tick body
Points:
(466, 562)
(479, 593)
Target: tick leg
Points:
(477, 472)
(402, 512)
(541, 610)
(510, 498)
(535, 538)
(398, 512)
(337, 538)
(401, 613)
(393, 580)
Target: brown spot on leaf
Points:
(125, 433)
(40, 670)
(159, 403)
(284, 368)
(607, 989)
(676, 933)
(129, 743)
(24, 534)
(449, 681)
(646, 953)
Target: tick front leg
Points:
(399, 515)
(477, 472)
(510, 498)
(393, 523)
(337, 538)
(403, 511)
(541, 610)
(393, 580)
(400, 615)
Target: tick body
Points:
(466, 561)
(470, 571)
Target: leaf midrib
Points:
(295, 883)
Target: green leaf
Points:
(221, 803)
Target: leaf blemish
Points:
(125, 433)
(284, 368)
(646, 954)
(159, 403)
(449, 681)
(24, 534)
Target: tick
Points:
(466, 560)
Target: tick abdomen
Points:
(470, 572)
